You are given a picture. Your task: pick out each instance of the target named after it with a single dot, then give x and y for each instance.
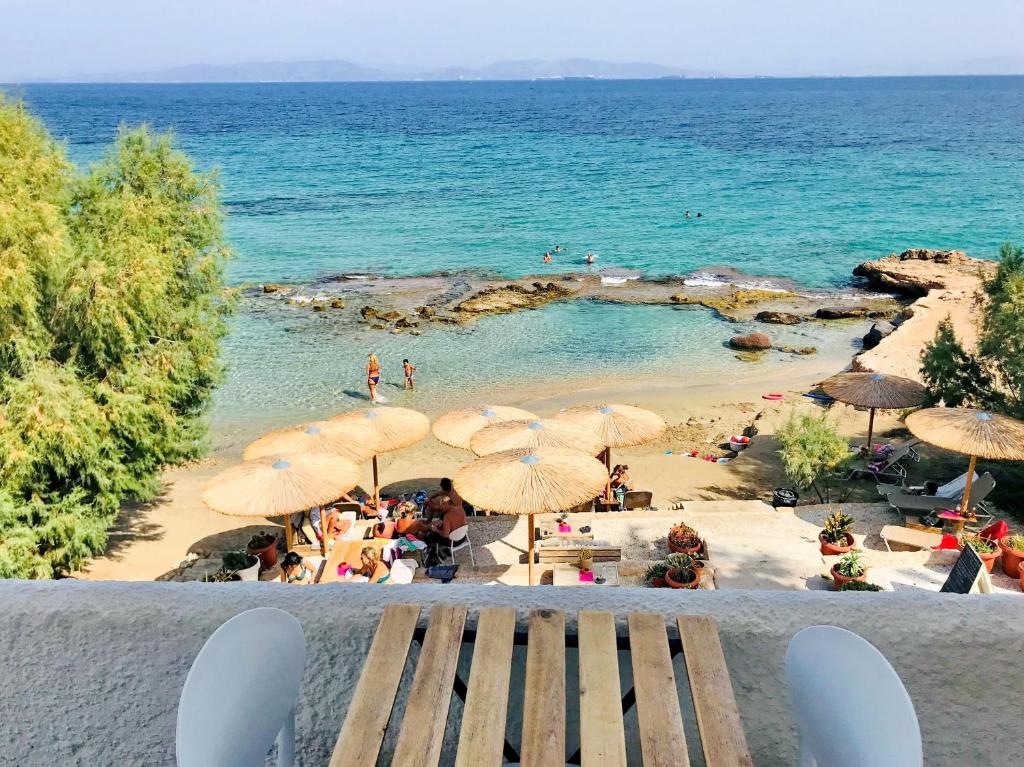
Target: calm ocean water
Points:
(798, 178)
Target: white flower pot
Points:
(251, 573)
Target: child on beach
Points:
(409, 369)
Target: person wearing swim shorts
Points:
(410, 370)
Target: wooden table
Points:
(564, 574)
(544, 739)
(348, 552)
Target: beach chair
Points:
(637, 499)
(917, 539)
(890, 466)
(979, 491)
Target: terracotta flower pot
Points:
(677, 549)
(988, 559)
(1012, 558)
(672, 575)
(267, 554)
(831, 549)
(657, 583)
(838, 580)
(1020, 570)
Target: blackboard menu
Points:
(965, 573)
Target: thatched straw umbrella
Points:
(381, 430)
(315, 437)
(280, 485)
(457, 427)
(874, 391)
(523, 435)
(976, 433)
(528, 482)
(615, 426)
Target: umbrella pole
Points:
(871, 428)
(529, 551)
(376, 486)
(287, 533)
(967, 492)
(608, 471)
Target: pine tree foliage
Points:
(812, 449)
(112, 307)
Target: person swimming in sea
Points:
(699, 214)
(558, 248)
(372, 375)
(590, 258)
(687, 214)
(547, 258)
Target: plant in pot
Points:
(655, 575)
(563, 523)
(987, 550)
(1011, 547)
(683, 539)
(860, 586)
(242, 562)
(586, 561)
(851, 567)
(221, 576)
(682, 572)
(836, 537)
(264, 546)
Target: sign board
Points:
(968, 575)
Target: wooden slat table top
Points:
(426, 711)
(347, 551)
(482, 733)
(370, 710)
(718, 718)
(662, 740)
(543, 742)
(602, 734)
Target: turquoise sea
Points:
(795, 178)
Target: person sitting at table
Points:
(320, 520)
(384, 529)
(370, 565)
(454, 518)
(439, 501)
(407, 524)
(295, 569)
(620, 478)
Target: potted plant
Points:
(1012, 549)
(586, 560)
(563, 523)
(683, 539)
(987, 550)
(264, 546)
(245, 564)
(851, 567)
(836, 537)
(1020, 570)
(860, 586)
(655, 575)
(682, 571)
(221, 576)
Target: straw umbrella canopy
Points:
(315, 437)
(381, 430)
(547, 432)
(528, 482)
(457, 427)
(615, 426)
(977, 433)
(875, 391)
(276, 486)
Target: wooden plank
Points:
(543, 742)
(718, 718)
(602, 735)
(426, 711)
(370, 710)
(483, 718)
(660, 720)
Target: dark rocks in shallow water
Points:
(318, 307)
(271, 288)
(406, 322)
(797, 349)
(841, 312)
(425, 312)
(368, 313)
(878, 331)
(778, 318)
(754, 342)
(337, 303)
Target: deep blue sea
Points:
(796, 178)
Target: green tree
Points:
(112, 307)
(812, 449)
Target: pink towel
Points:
(587, 577)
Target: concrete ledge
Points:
(93, 671)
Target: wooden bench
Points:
(544, 739)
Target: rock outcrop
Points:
(510, 298)
(778, 318)
(731, 304)
(878, 331)
(754, 342)
(841, 312)
(916, 271)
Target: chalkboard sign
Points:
(968, 574)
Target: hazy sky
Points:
(48, 38)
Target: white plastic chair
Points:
(862, 717)
(458, 540)
(239, 696)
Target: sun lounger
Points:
(909, 502)
(918, 539)
(889, 466)
(637, 499)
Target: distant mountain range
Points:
(346, 71)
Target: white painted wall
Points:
(92, 671)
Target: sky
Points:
(53, 38)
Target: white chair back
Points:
(459, 534)
(241, 692)
(864, 717)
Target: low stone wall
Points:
(93, 671)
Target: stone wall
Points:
(93, 671)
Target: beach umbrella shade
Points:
(281, 485)
(456, 428)
(874, 391)
(615, 426)
(381, 430)
(316, 437)
(976, 433)
(528, 482)
(544, 432)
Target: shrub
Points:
(860, 586)
(812, 449)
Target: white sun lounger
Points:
(907, 537)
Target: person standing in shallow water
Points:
(410, 370)
(372, 375)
